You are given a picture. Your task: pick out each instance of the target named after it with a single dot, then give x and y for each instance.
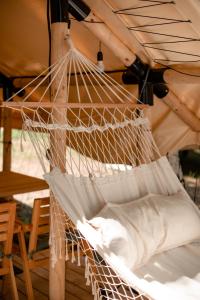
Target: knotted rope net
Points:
(93, 128)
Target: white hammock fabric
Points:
(86, 196)
(83, 197)
(99, 157)
(174, 274)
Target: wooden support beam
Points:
(6, 122)
(182, 111)
(57, 271)
(104, 12)
(71, 105)
(104, 34)
(7, 139)
(198, 139)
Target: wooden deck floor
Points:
(75, 289)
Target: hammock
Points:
(114, 197)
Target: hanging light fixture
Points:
(100, 62)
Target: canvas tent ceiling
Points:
(173, 28)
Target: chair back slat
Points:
(7, 221)
(45, 201)
(43, 229)
(44, 210)
(5, 206)
(3, 227)
(44, 220)
(3, 236)
(7, 224)
(40, 221)
(4, 216)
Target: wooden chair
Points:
(7, 223)
(33, 241)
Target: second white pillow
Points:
(137, 230)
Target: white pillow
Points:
(137, 230)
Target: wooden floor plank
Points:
(75, 283)
(76, 288)
(22, 296)
(37, 292)
(77, 279)
(44, 275)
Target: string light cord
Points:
(157, 3)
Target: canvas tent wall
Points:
(24, 52)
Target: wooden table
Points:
(12, 183)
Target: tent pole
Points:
(182, 111)
(101, 9)
(7, 126)
(58, 49)
(7, 138)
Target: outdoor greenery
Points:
(189, 159)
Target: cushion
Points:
(137, 230)
(24, 212)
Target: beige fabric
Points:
(174, 274)
(82, 199)
(136, 230)
(170, 132)
(83, 196)
(23, 25)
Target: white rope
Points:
(93, 142)
(137, 122)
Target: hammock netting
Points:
(100, 149)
